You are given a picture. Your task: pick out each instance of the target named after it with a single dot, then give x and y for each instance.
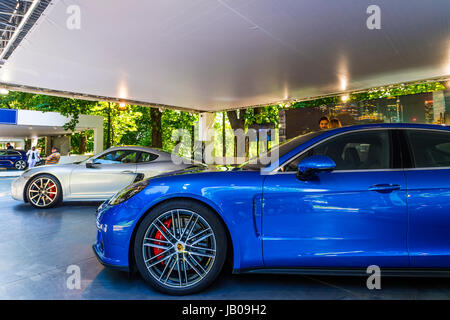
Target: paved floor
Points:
(37, 246)
(10, 173)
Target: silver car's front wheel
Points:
(20, 165)
(181, 250)
(44, 191)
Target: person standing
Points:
(9, 146)
(33, 157)
(54, 157)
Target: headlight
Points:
(128, 192)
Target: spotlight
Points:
(345, 98)
(122, 106)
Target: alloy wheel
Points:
(20, 165)
(179, 248)
(42, 192)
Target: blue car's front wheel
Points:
(180, 247)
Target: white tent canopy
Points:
(211, 55)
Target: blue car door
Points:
(429, 198)
(354, 216)
(13, 156)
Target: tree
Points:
(172, 120)
(155, 116)
(237, 122)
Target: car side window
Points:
(2, 152)
(364, 150)
(147, 157)
(430, 149)
(13, 153)
(117, 157)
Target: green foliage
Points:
(315, 103)
(133, 125)
(173, 119)
(123, 122)
(75, 142)
(267, 114)
(395, 91)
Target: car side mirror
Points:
(311, 166)
(92, 165)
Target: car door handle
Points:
(128, 172)
(384, 188)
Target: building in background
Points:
(23, 128)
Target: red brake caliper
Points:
(52, 188)
(159, 236)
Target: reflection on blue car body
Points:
(337, 201)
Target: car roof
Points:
(331, 132)
(392, 125)
(139, 148)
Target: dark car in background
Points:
(13, 158)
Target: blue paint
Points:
(8, 116)
(396, 218)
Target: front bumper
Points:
(115, 226)
(100, 258)
(18, 187)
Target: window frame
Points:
(13, 153)
(392, 139)
(138, 161)
(119, 162)
(411, 152)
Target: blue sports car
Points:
(12, 158)
(337, 202)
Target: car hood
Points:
(49, 168)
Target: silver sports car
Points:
(95, 179)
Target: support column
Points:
(48, 145)
(62, 143)
(98, 139)
(206, 136)
(438, 107)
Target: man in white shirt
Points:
(33, 157)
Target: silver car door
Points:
(104, 176)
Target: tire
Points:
(20, 165)
(44, 191)
(175, 265)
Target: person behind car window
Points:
(54, 157)
(334, 123)
(111, 156)
(33, 157)
(323, 123)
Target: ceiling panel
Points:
(214, 55)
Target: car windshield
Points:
(282, 149)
